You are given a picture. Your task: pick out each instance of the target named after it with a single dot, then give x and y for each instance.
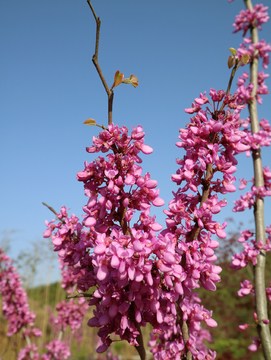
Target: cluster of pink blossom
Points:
(71, 314)
(141, 277)
(119, 250)
(245, 89)
(255, 340)
(255, 50)
(16, 311)
(29, 352)
(166, 340)
(15, 303)
(15, 307)
(248, 18)
(56, 350)
(250, 198)
(211, 141)
(250, 255)
(260, 50)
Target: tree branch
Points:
(76, 239)
(140, 349)
(53, 211)
(259, 268)
(109, 92)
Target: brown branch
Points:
(53, 210)
(76, 239)
(259, 268)
(236, 66)
(185, 333)
(76, 295)
(140, 349)
(232, 76)
(109, 92)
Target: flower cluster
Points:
(138, 276)
(16, 311)
(250, 198)
(211, 141)
(29, 352)
(15, 303)
(116, 189)
(71, 314)
(244, 89)
(56, 350)
(248, 18)
(141, 277)
(250, 253)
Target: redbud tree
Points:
(130, 268)
(140, 272)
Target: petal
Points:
(146, 149)
(102, 272)
(158, 202)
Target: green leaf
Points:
(233, 51)
(245, 58)
(231, 61)
(90, 122)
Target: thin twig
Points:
(53, 210)
(76, 239)
(95, 61)
(78, 295)
(232, 76)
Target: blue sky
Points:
(49, 87)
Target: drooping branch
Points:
(109, 92)
(259, 269)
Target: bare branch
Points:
(109, 92)
(76, 239)
(140, 349)
(53, 210)
(76, 295)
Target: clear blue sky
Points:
(49, 87)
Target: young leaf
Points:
(132, 80)
(117, 79)
(245, 58)
(90, 122)
(231, 61)
(233, 51)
